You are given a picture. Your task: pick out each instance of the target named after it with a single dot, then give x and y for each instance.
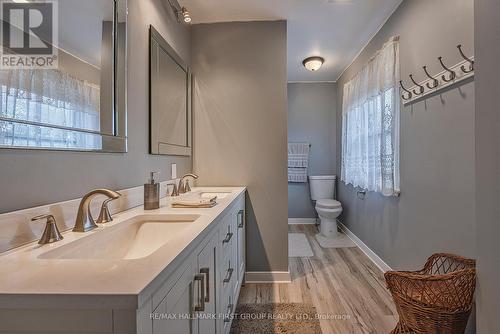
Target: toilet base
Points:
(328, 228)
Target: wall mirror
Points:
(80, 104)
(170, 100)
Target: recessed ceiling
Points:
(333, 29)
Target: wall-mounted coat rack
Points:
(435, 83)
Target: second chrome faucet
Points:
(184, 185)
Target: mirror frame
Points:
(111, 143)
(161, 148)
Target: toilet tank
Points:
(322, 186)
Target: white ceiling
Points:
(333, 29)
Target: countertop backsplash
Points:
(17, 229)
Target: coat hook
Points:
(421, 88)
(452, 73)
(470, 61)
(406, 90)
(435, 82)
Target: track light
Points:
(184, 13)
(181, 13)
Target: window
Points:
(370, 124)
(40, 108)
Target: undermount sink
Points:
(135, 238)
(219, 195)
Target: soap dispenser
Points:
(152, 194)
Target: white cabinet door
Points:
(174, 313)
(207, 266)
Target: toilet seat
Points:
(328, 204)
(322, 212)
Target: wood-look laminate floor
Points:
(342, 283)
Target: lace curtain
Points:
(50, 97)
(370, 124)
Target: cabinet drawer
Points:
(228, 309)
(233, 217)
(234, 264)
(228, 273)
(227, 237)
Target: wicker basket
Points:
(436, 299)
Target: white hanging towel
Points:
(298, 162)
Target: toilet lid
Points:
(328, 203)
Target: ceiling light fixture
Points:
(313, 63)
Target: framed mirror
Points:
(79, 104)
(170, 100)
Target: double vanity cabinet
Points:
(206, 285)
(150, 272)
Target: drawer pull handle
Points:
(229, 235)
(227, 317)
(228, 276)
(206, 272)
(200, 278)
(240, 219)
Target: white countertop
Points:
(26, 280)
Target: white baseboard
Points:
(365, 249)
(301, 221)
(268, 277)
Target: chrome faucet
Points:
(84, 221)
(184, 186)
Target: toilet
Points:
(328, 209)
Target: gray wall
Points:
(435, 211)
(31, 178)
(487, 30)
(240, 117)
(312, 118)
